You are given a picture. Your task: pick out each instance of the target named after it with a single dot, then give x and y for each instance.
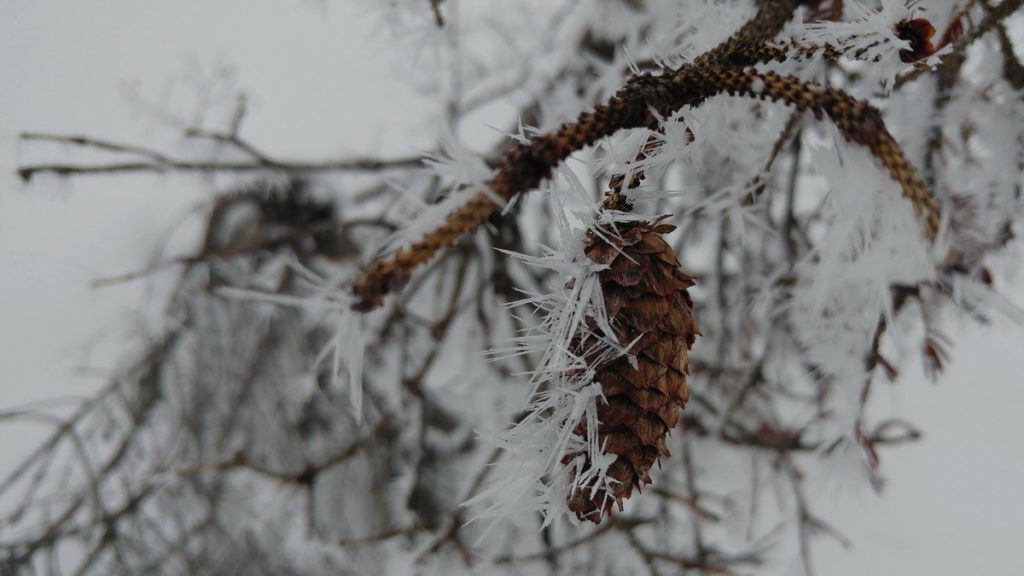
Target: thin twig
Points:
(157, 162)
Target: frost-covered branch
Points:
(716, 71)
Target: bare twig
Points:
(157, 162)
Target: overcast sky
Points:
(319, 86)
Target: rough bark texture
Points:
(647, 303)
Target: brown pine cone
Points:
(648, 306)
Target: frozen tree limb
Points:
(719, 70)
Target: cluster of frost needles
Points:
(334, 308)
(869, 35)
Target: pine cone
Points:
(648, 306)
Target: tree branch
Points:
(157, 162)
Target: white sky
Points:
(320, 87)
